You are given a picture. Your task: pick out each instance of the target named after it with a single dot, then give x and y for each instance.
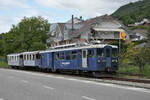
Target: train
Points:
(95, 58)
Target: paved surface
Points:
(22, 85)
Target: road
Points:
(23, 85)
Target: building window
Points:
(116, 35)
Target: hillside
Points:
(133, 12)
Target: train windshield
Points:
(100, 52)
(114, 52)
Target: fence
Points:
(3, 62)
(3, 59)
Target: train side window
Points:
(84, 54)
(67, 55)
(100, 52)
(24, 57)
(27, 57)
(80, 53)
(62, 55)
(32, 56)
(17, 58)
(38, 56)
(57, 56)
(114, 52)
(90, 53)
(107, 52)
(74, 54)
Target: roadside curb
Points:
(132, 84)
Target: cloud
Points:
(8, 4)
(5, 23)
(12, 11)
(88, 8)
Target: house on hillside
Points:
(76, 30)
(144, 22)
(138, 34)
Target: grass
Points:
(134, 70)
(3, 64)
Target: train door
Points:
(21, 61)
(107, 51)
(53, 62)
(84, 59)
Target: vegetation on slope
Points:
(133, 12)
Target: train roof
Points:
(64, 49)
(32, 52)
(78, 48)
(18, 54)
(15, 54)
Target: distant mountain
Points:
(133, 12)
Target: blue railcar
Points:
(95, 58)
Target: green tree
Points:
(148, 35)
(28, 35)
(137, 56)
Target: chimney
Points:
(72, 22)
(80, 17)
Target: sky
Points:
(12, 11)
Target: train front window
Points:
(114, 52)
(100, 52)
(107, 52)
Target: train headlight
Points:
(103, 60)
(98, 61)
(114, 60)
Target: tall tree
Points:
(28, 35)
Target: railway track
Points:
(103, 76)
(146, 81)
